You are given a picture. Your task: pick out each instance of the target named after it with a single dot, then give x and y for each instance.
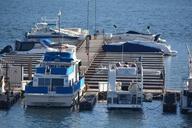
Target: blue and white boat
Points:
(57, 81)
(137, 42)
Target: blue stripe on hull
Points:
(30, 89)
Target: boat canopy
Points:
(130, 46)
(58, 56)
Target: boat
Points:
(34, 47)
(186, 93)
(137, 42)
(125, 95)
(57, 81)
(50, 28)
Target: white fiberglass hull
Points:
(124, 106)
(165, 48)
(50, 100)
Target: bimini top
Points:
(59, 57)
(130, 46)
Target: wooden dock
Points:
(155, 61)
(24, 60)
(93, 58)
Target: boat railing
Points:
(126, 99)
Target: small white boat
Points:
(57, 81)
(125, 95)
(34, 47)
(50, 28)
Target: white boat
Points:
(57, 81)
(50, 28)
(138, 42)
(125, 95)
(186, 94)
(34, 47)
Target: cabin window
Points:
(44, 82)
(57, 83)
(24, 46)
(66, 82)
(37, 45)
(109, 100)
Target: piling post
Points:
(87, 48)
(30, 69)
(7, 84)
(78, 98)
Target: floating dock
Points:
(6, 101)
(88, 101)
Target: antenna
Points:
(95, 14)
(59, 20)
(188, 50)
(88, 15)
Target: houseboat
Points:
(57, 81)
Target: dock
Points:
(6, 101)
(92, 56)
(88, 101)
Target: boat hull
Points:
(124, 106)
(139, 46)
(129, 47)
(50, 100)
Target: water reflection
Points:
(52, 117)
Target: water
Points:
(171, 18)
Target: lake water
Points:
(171, 18)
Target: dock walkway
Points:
(149, 61)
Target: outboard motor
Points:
(6, 49)
(156, 38)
